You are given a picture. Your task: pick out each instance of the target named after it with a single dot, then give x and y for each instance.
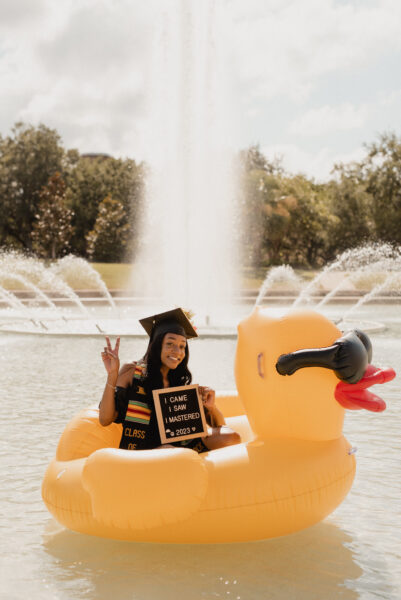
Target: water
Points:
(390, 279)
(103, 315)
(353, 554)
(363, 262)
(186, 248)
(34, 275)
(283, 274)
(80, 274)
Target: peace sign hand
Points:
(110, 357)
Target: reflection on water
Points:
(353, 554)
(312, 564)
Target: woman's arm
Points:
(108, 410)
(111, 361)
(208, 399)
(216, 417)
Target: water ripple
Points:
(353, 554)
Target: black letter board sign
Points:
(180, 414)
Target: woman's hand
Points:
(208, 397)
(110, 358)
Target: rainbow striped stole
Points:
(138, 412)
(140, 371)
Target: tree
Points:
(351, 207)
(94, 179)
(252, 221)
(253, 159)
(52, 229)
(311, 223)
(298, 221)
(381, 172)
(257, 178)
(284, 218)
(110, 237)
(28, 158)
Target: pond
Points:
(355, 553)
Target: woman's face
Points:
(173, 350)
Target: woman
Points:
(128, 399)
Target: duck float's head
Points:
(296, 375)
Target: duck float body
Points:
(293, 468)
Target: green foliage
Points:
(28, 159)
(351, 207)
(284, 219)
(91, 181)
(252, 222)
(111, 235)
(252, 159)
(298, 223)
(55, 201)
(381, 172)
(291, 219)
(52, 229)
(258, 181)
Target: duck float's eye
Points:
(261, 365)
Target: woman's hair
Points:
(181, 375)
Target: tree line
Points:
(55, 201)
(292, 219)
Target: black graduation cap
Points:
(172, 321)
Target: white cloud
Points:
(82, 70)
(327, 119)
(317, 165)
(15, 12)
(284, 48)
(390, 99)
(85, 68)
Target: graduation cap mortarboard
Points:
(172, 321)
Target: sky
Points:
(310, 81)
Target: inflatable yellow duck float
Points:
(292, 469)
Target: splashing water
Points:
(31, 286)
(381, 270)
(44, 278)
(389, 281)
(282, 274)
(186, 252)
(80, 273)
(13, 301)
(334, 291)
(368, 257)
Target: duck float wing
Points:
(142, 490)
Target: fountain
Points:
(186, 254)
(46, 302)
(283, 274)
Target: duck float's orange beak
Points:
(349, 358)
(355, 396)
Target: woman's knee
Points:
(221, 438)
(231, 438)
